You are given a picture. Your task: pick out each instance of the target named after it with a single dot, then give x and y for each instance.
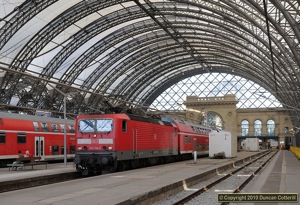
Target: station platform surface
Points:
(279, 175)
(48, 158)
(38, 170)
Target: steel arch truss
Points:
(134, 50)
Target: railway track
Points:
(231, 181)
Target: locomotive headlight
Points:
(110, 148)
(95, 136)
(79, 148)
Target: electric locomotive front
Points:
(95, 146)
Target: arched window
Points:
(257, 127)
(271, 128)
(212, 119)
(245, 128)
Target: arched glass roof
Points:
(112, 53)
(248, 93)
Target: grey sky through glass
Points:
(248, 93)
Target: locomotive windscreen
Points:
(95, 125)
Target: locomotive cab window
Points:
(21, 138)
(124, 126)
(104, 125)
(95, 125)
(2, 138)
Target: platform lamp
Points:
(65, 122)
(65, 119)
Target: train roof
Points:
(191, 124)
(128, 117)
(6, 115)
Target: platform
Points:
(7, 159)
(126, 187)
(281, 175)
(46, 158)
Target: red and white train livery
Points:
(41, 136)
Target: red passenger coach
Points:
(121, 141)
(189, 134)
(41, 136)
(191, 137)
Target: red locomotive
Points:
(121, 141)
(41, 136)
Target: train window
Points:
(86, 125)
(72, 149)
(36, 126)
(187, 139)
(54, 150)
(95, 125)
(194, 129)
(63, 149)
(104, 125)
(54, 127)
(2, 137)
(62, 127)
(21, 138)
(45, 127)
(71, 128)
(124, 126)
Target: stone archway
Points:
(212, 119)
(221, 109)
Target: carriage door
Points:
(39, 147)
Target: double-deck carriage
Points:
(191, 137)
(41, 136)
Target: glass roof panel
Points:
(248, 93)
(33, 26)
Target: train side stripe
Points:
(105, 141)
(84, 141)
